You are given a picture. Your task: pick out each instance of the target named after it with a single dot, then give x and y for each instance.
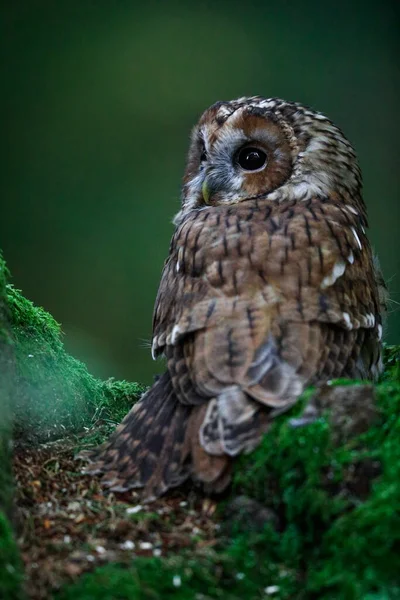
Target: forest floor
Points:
(68, 526)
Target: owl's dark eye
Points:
(251, 159)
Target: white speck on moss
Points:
(177, 581)
(146, 545)
(271, 589)
(239, 576)
(127, 545)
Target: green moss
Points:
(10, 564)
(6, 365)
(54, 392)
(180, 578)
(338, 505)
(10, 567)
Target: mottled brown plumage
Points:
(269, 286)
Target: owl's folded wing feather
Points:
(246, 290)
(255, 304)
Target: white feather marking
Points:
(369, 320)
(356, 237)
(380, 332)
(318, 143)
(178, 266)
(337, 271)
(224, 111)
(175, 334)
(350, 258)
(316, 116)
(346, 318)
(352, 210)
(153, 349)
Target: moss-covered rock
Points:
(337, 498)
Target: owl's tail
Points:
(156, 447)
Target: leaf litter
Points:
(67, 525)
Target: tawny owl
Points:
(269, 286)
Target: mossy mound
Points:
(54, 392)
(338, 504)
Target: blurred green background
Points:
(99, 98)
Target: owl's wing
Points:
(268, 298)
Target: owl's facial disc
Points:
(246, 156)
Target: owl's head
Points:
(267, 148)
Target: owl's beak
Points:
(206, 192)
